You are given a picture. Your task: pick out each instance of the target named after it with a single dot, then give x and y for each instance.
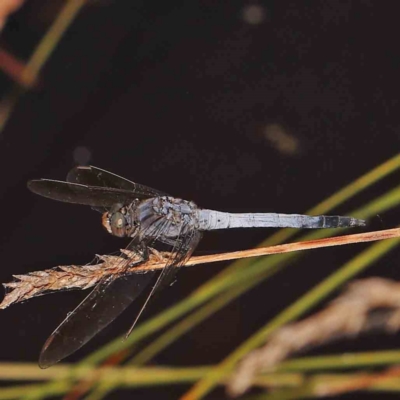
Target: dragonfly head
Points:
(118, 221)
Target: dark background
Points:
(189, 97)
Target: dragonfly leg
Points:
(157, 255)
(136, 255)
(143, 252)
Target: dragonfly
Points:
(152, 220)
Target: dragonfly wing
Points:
(106, 301)
(180, 249)
(80, 194)
(93, 176)
(113, 295)
(180, 253)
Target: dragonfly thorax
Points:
(159, 216)
(166, 216)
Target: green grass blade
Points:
(341, 196)
(304, 304)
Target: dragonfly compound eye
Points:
(118, 224)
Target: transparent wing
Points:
(93, 176)
(93, 187)
(82, 194)
(105, 303)
(182, 250)
(113, 295)
(179, 251)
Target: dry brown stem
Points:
(83, 277)
(349, 315)
(67, 277)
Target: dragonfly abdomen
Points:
(210, 220)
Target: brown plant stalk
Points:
(83, 277)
